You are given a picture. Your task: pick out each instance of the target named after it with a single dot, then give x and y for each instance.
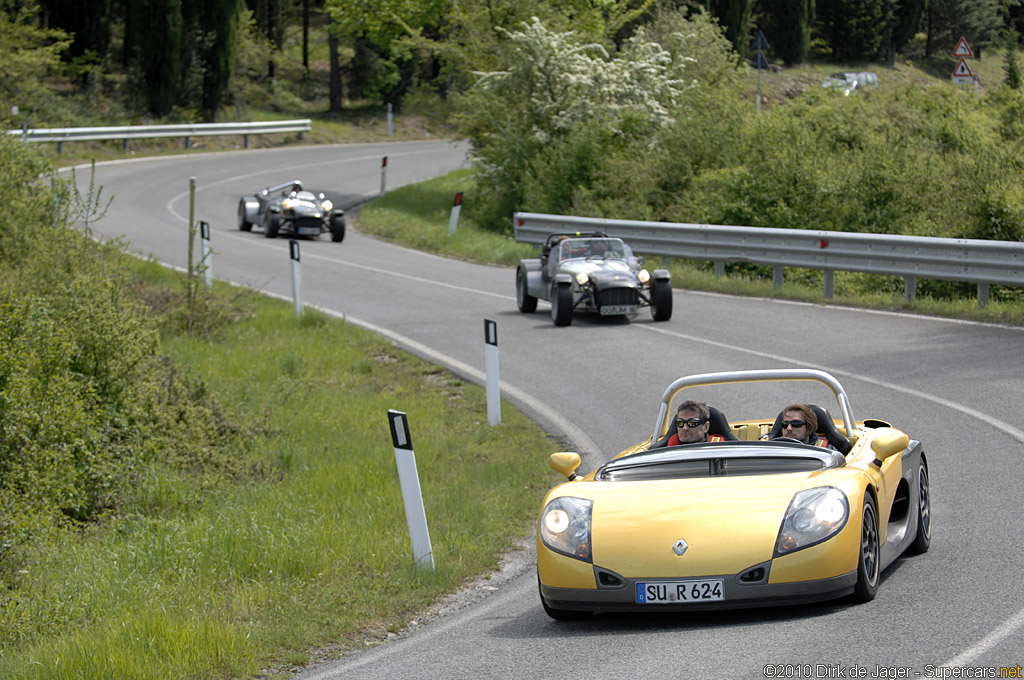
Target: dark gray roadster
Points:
(592, 273)
(289, 208)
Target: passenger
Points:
(693, 420)
(800, 423)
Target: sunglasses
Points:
(794, 423)
(690, 422)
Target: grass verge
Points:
(223, 580)
(417, 216)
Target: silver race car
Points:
(289, 208)
(592, 273)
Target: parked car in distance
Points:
(848, 81)
(290, 208)
(593, 273)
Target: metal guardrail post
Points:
(909, 288)
(830, 283)
(982, 295)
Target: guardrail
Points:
(127, 132)
(972, 260)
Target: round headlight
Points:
(582, 278)
(644, 276)
(327, 205)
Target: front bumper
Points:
(622, 598)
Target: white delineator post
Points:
(453, 221)
(293, 249)
(383, 175)
(207, 263)
(412, 496)
(493, 382)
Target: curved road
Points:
(957, 611)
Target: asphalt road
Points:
(957, 611)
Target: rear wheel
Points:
(923, 540)
(661, 300)
(338, 228)
(561, 304)
(243, 223)
(867, 565)
(527, 303)
(272, 226)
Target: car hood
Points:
(728, 524)
(604, 273)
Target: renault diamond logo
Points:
(680, 547)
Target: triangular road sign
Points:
(962, 69)
(962, 49)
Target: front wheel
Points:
(561, 304)
(337, 228)
(867, 565)
(661, 299)
(527, 303)
(923, 539)
(272, 226)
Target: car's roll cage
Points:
(294, 183)
(661, 426)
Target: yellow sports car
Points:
(745, 519)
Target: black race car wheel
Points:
(868, 564)
(527, 303)
(661, 299)
(243, 224)
(923, 539)
(562, 614)
(272, 226)
(561, 304)
(337, 228)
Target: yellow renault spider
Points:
(746, 519)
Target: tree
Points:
(855, 29)
(1011, 58)
(734, 17)
(787, 25)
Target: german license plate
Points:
(311, 231)
(609, 310)
(675, 592)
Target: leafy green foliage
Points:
(86, 399)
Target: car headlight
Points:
(326, 205)
(644, 276)
(289, 203)
(582, 278)
(565, 526)
(813, 516)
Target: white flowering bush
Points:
(540, 125)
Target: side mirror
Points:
(889, 445)
(565, 463)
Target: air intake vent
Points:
(756, 574)
(607, 579)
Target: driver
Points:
(693, 420)
(800, 423)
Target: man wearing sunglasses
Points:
(693, 420)
(800, 423)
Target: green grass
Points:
(417, 216)
(224, 580)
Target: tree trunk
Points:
(335, 93)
